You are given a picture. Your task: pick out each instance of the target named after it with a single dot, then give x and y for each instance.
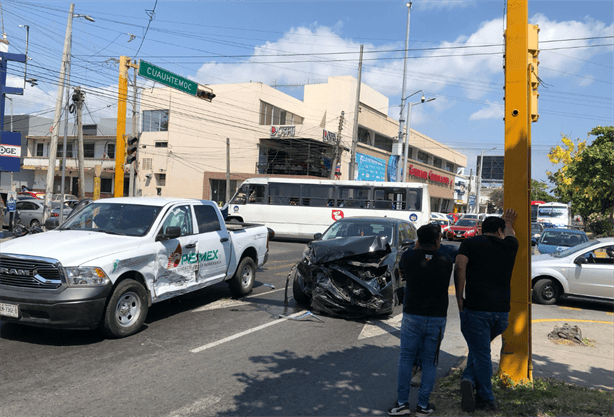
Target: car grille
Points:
(30, 272)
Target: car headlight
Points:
(86, 276)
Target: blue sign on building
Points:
(10, 151)
(370, 168)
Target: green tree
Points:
(587, 177)
(539, 193)
(496, 198)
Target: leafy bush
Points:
(599, 224)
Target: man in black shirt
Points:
(484, 267)
(427, 274)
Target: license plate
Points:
(9, 310)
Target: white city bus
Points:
(303, 207)
(554, 213)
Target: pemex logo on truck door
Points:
(175, 258)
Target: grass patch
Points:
(544, 397)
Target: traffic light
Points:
(205, 95)
(533, 63)
(131, 146)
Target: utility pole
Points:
(77, 98)
(401, 120)
(53, 145)
(337, 149)
(469, 190)
(479, 184)
(355, 128)
(131, 189)
(227, 170)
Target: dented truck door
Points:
(177, 258)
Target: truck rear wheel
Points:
(126, 310)
(298, 287)
(242, 282)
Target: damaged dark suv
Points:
(352, 270)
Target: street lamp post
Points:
(53, 145)
(406, 143)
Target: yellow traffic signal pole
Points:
(120, 143)
(516, 348)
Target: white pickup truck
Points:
(111, 260)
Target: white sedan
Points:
(585, 270)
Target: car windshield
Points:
(465, 223)
(359, 228)
(122, 219)
(574, 249)
(562, 238)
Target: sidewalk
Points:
(589, 366)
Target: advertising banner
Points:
(370, 168)
(10, 151)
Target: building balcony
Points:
(42, 163)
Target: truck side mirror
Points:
(172, 232)
(52, 223)
(580, 260)
(408, 242)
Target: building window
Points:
(423, 157)
(161, 179)
(161, 144)
(438, 162)
(111, 150)
(147, 163)
(88, 150)
(59, 153)
(449, 167)
(90, 130)
(271, 115)
(39, 149)
(218, 190)
(155, 121)
(106, 185)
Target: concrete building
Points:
(183, 146)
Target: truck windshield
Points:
(122, 219)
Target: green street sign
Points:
(165, 77)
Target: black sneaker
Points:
(467, 398)
(480, 404)
(399, 410)
(425, 411)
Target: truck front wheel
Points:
(242, 282)
(126, 310)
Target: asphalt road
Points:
(206, 354)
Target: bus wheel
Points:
(298, 287)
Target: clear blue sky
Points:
(217, 42)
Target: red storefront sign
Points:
(428, 175)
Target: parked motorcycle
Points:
(20, 229)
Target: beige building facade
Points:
(185, 141)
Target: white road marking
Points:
(196, 408)
(379, 327)
(231, 303)
(246, 332)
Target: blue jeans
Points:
(479, 329)
(419, 334)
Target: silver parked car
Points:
(585, 270)
(31, 212)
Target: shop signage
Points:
(430, 175)
(283, 131)
(329, 137)
(10, 151)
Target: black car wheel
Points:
(298, 287)
(546, 291)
